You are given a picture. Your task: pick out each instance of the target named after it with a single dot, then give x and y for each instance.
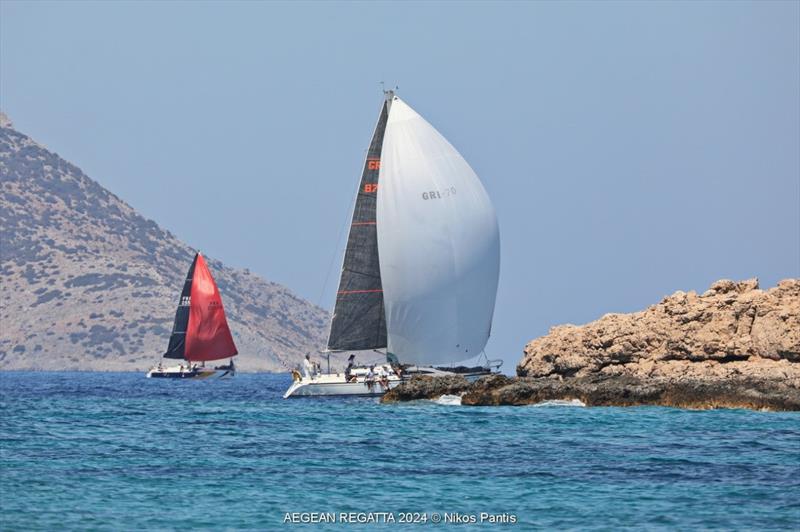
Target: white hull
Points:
(323, 389)
(334, 384)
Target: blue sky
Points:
(631, 149)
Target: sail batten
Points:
(358, 321)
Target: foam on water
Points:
(561, 402)
(448, 400)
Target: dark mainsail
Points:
(177, 341)
(359, 321)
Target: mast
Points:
(359, 319)
(177, 340)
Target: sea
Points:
(116, 451)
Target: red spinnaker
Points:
(207, 335)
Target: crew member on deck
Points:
(369, 379)
(348, 371)
(383, 379)
(308, 367)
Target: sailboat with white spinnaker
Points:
(421, 267)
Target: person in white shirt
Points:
(383, 379)
(308, 367)
(369, 379)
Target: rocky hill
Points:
(89, 284)
(733, 346)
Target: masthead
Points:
(390, 93)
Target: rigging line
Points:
(338, 241)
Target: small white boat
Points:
(422, 262)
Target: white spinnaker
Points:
(438, 245)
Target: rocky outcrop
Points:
(733, 330)
(88, 283)
(733, 346)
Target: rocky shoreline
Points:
(500, 390)
(735, 346)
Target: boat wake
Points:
(448, 400)
(561, 402)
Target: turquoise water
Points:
(117, 451)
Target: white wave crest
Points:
(449, 400)
(561, 402)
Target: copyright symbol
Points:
(435, 518)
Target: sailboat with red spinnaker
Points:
(200, 333)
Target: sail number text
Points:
(439, 194)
